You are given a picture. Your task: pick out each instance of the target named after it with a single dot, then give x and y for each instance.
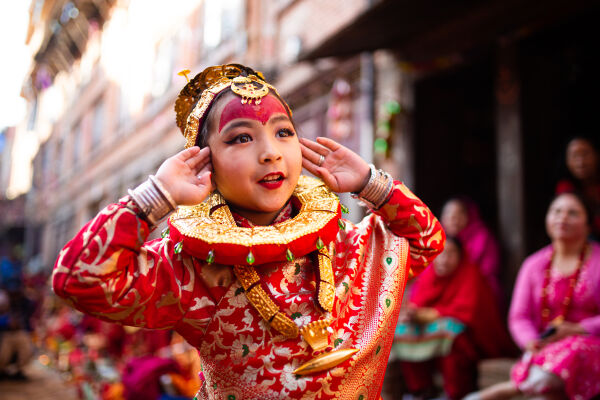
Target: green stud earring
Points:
(289, 255)
(345, 209)
(341, 224)
(320, 244)
(250, 258)
(165, 233)
(210, 257)
(178, 247)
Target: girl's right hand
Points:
(187, 175)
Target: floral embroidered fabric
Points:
(107, 270)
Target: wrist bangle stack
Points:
(377, 190)
(153, 199)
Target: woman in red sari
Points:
(451, 322)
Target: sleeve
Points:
(592, 324)
(521, 321)
(407, 216)
(108, 271)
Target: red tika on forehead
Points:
(262, 112)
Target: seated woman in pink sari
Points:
(555, 312)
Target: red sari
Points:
(465, 296)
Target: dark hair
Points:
(457, 243)
(584, 203)
(564, 170)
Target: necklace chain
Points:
(261, 299)
(568, 298)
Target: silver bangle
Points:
(163, 191)
(153, 199)
(377, 189)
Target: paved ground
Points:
(42, 384)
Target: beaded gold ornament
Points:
(196, 98)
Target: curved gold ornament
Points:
(325, 361)
(318, 207)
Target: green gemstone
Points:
(345, 209)
(320, 244)
(178, 247)
(289, 255)
(341, 224)
(210, 257)
(165, 233)
(250, 258)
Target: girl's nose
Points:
(270, 152)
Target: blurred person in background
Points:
(555, 312)
(16, 345)
(451, 322)
(582, 175)
(460, 218)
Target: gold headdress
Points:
(197, 96)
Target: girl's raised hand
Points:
(187, 175)
(341, 169)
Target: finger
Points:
(184, 155)
(310, 166)
(316, 147)
(206, 180)
(198, 161)
(328, 178)
(204, 168)
(330, 144)
(310, 155)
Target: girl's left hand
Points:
(340, 168)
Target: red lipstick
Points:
(272, 181)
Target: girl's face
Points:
(446, 263)
(255, 154)
(582, 159)
(454, 217)
(566, 219)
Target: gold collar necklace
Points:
(208, 231)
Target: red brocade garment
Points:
(109, 271)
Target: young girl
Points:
(282, 297)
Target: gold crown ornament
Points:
(196, 98)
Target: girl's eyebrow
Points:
(238, 123)
(278, 118)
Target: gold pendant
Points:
(325, 361)
(316, 335)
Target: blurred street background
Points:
(473, 98)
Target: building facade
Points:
(452, 99)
